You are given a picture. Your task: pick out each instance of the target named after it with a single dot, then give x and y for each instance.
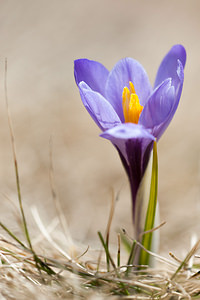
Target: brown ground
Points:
(41, 39)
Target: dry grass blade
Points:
(153, 229)
(107, 234)
(15, 161)
(159, 257)
(187, 258)
(50, 240)
(39, 264)
(59, 210)
(112, 209)
(46, 234)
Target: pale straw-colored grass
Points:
(85, 276)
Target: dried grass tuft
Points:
(84, 279)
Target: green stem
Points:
(144, 257)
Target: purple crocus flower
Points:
(132, 114)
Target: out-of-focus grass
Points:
(85, 277)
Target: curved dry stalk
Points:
(62, 218)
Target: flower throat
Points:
(131, 104)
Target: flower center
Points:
(131, 104)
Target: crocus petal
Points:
(134, 144)
(120, 135)
(158, 107)
(161, 128)
(124, 71)
(98, 107)
(168, 66)
(91, 72)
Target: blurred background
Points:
(40, 40)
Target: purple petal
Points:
(158, 107)
(124, 71)
(120, 134)
(161, 128)
(91, 72)
(134, 144)
(98, 107)
(168, 67)
(161, 107)
(128, 132)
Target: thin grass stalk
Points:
(131, 257)
(187, 258)
(56, 200)
(13, 236)
(112, 208)
(107, 233)
(39, 263)
(15, 161)
(127, 242)
(108, 256)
